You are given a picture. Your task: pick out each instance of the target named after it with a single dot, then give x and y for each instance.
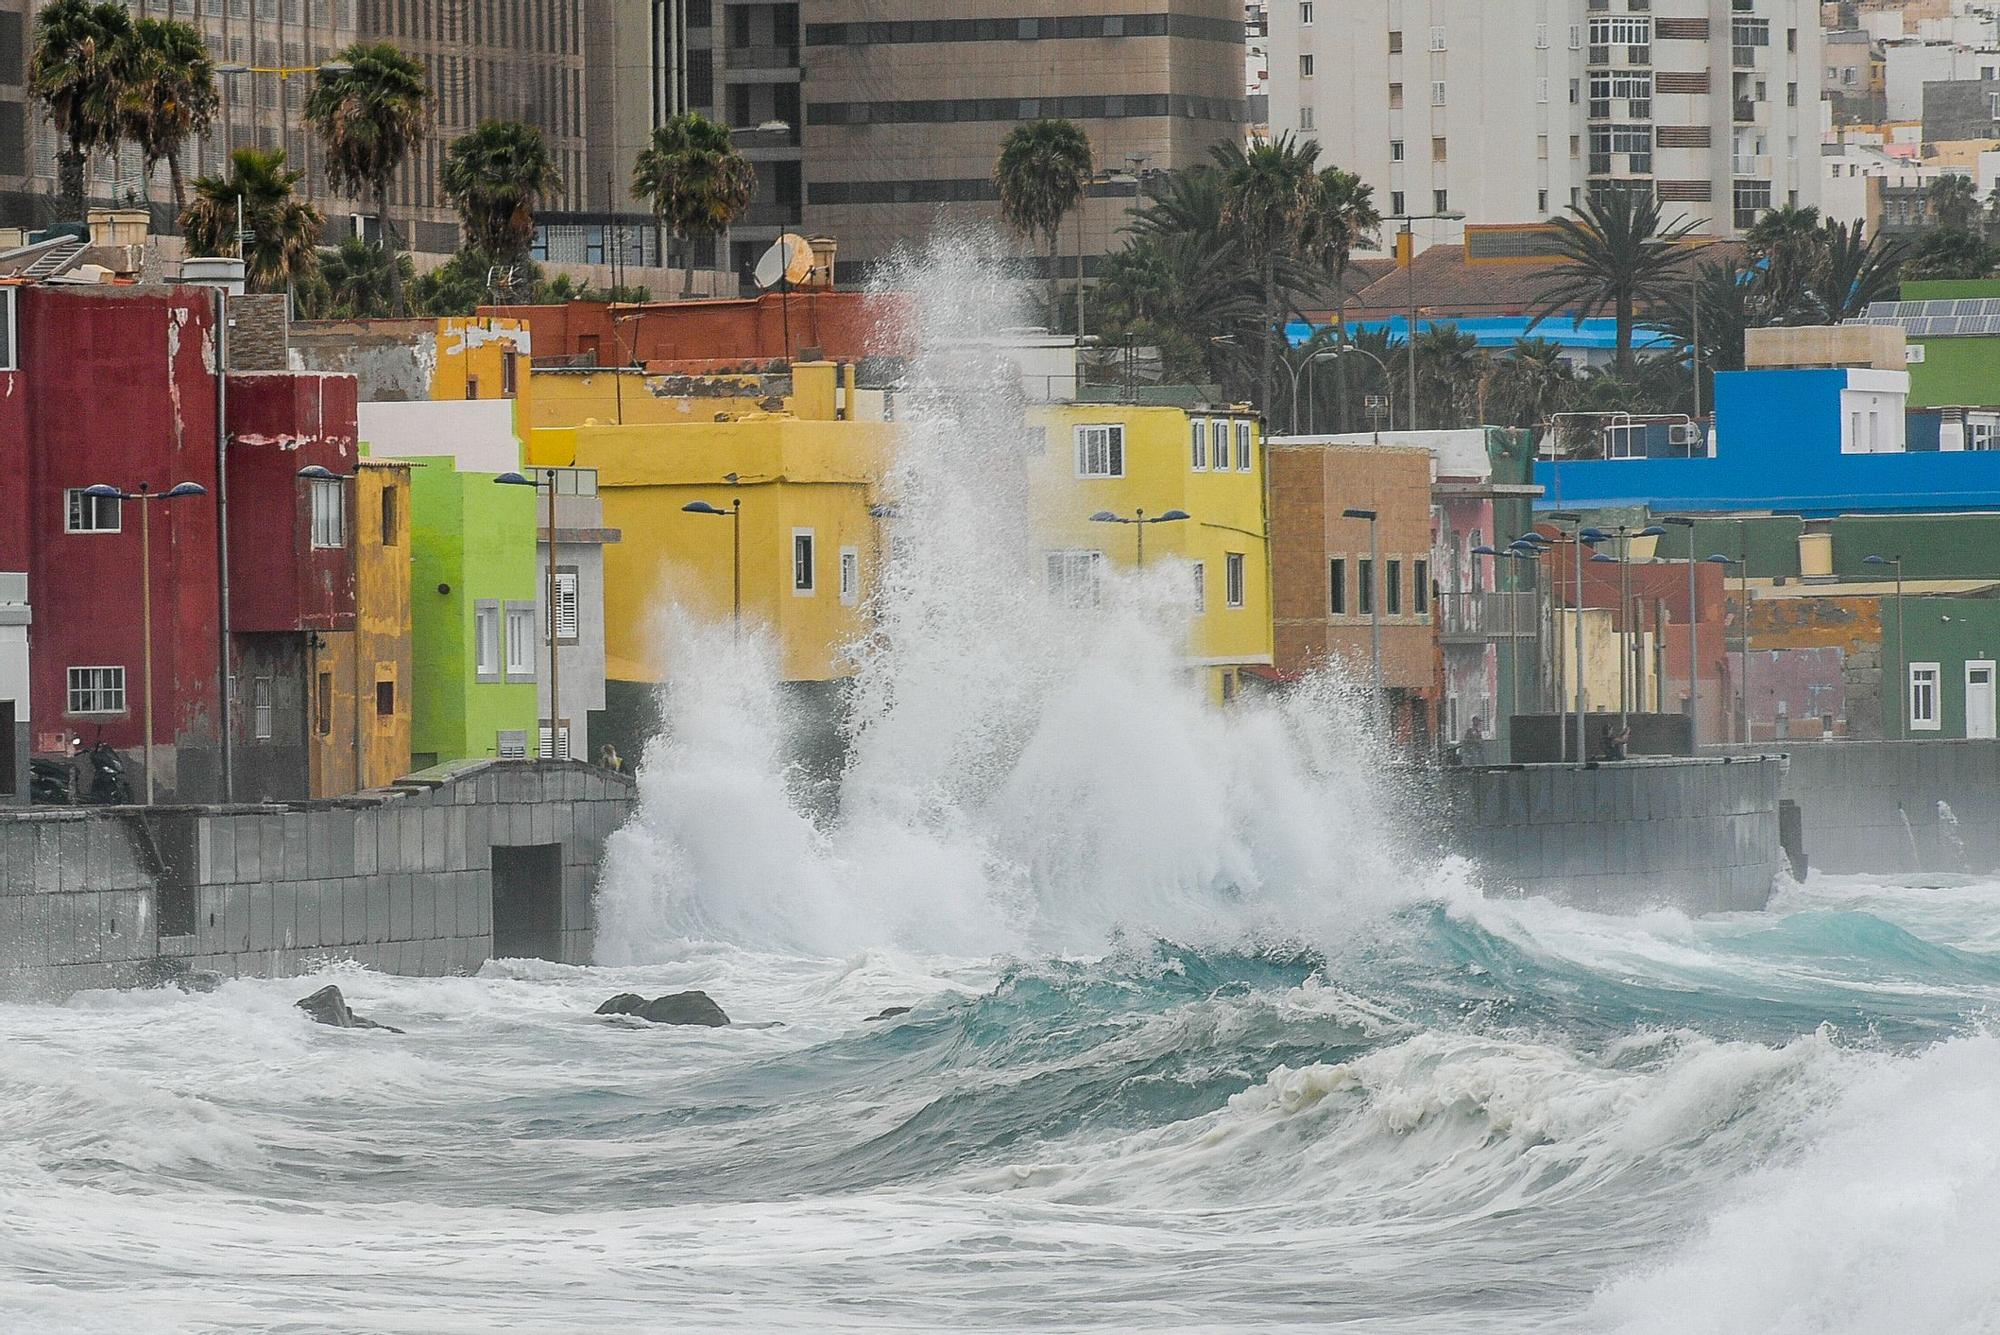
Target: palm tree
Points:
(1527, 388)
(494, 177)
(170, 95)
(1617, 255)
(82, 53)
(1952, 253)
(1791, 243)
(1042, 171)
(361, 281)
(370, 115)
(1855, 271)
(1340, 218)
(1954, 202)
(1450, 370)
(695, 180)
(1267, 192)
(284, 228)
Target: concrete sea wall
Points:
(433, 875)
(1698, 835)
(1856, 796)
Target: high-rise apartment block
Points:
(1511, 110)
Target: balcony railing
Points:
(1479, 618)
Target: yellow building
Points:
(1143, 461)
(361, 678)
(800, 483)
(1603, 650)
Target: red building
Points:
(118, 385)
(689, 337)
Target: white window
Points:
(1197, 445)
(1621, 32)
(1924, 697)
(1242, 447)
(1306, 65)
(97, 690)
(803, 572)
(93, 514)
(1218, 444)
(1232, 578)
(1576, 37)
(1541, 37)
(850, 575)
(1979, 435)
(486, 640)
(1437, 92)
(1100, 451)
(520, 643)
(568, 616)
(329, 511)
(560, 748)
(1073, 577)
(1305, 13)
(1437, 39)
(262, 723)
(1305, 118)
(1200, 587)
(1542, 95)
(511, 744)
(1395, 150)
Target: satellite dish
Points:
(788, 261)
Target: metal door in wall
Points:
(1979, 710)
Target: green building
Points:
(473, 587)
(1959, 369)
(1950, 651)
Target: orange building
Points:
(360, 715)
(1330, 592)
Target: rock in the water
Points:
(625, 1003)
(327, 1006)
(887, 1013)
(684, 1008)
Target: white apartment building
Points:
(1508, 110)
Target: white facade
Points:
(1507, 110)
(1908, 66)
(1849, 167)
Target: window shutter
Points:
(567, 623)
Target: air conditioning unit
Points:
(1913, 353)
(1684, 434)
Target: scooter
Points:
(108, 784)
(50, 783)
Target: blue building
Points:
(1815, 441)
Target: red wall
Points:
(845, 326)
(119, 390)
(278, 424)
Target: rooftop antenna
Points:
(784, 266)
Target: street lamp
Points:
(555, 679)
(1410, 335)
(1694, 659)
(1583, 537)
(1139, 520)
(1742, 636)
(145, 496)
(1902, 668)
(1292, 425)
(1373, 588)
(1336, 354)
(734, 514)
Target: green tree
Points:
(358, 281)
(1042, 171)
(695, 181)
(1267, 192)
(1526, 389)
(169, 95)
(1948, 252)
(1790, 241)
(1617, 256)
(369, 116)
(1341, 218)
(495, 177)
(79, 70)
(1451, 373)
(1954, 202)
(284, 229)
(1855, 271)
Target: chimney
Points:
(223, 271)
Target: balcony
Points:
(1487, 618)
(763, 58)
(1745, 109)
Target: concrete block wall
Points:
(399, 879)
(1855, 796)
(1697, 835)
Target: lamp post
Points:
(1532, 546)
(734, 514)
(1292, 425)
(1513, 642)
(548, 478)
(146, 496)
(1410, 335)
(1742, 638)
(1336, 354)
(1902, 668)
(1139, 519)
(1694, 659)
(1374, 591)
(1581, 538)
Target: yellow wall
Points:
(794, 474)
(1226, 509)
(473, 356)
(354, 746)
(565, 397)
(1602, 646)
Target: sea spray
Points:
(1023, 770)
